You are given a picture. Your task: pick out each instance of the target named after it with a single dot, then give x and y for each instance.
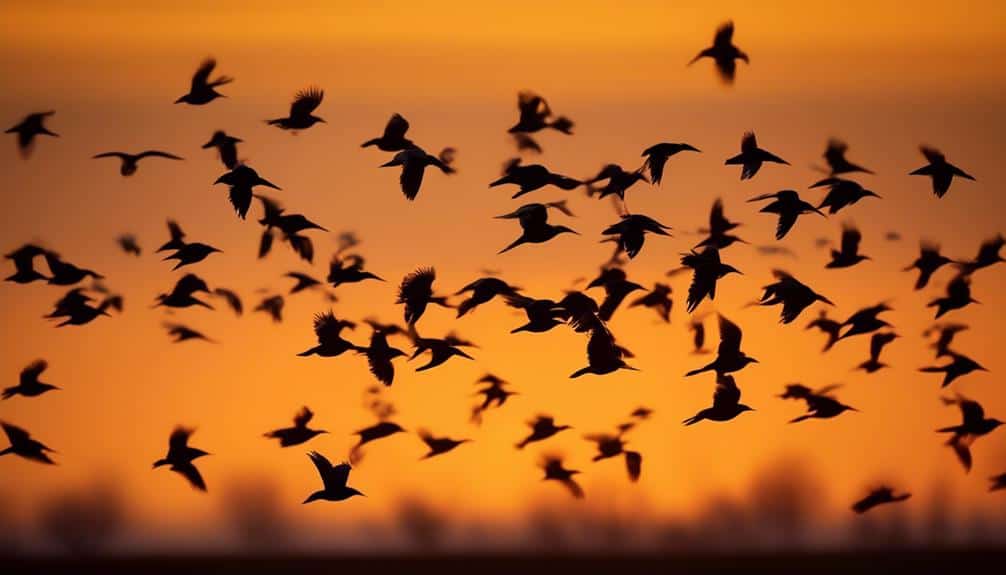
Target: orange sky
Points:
(868, 72)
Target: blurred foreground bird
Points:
(203, 90)
(719, 226)
(879, 496)
(227, 148)
(182, 333)
(27, 129)
(191, 253)
(609, 445)
(604, 356)
(242, 181)
(181, 294)
(848, 255)
(877, 343)
(988, 255)
(180, 457)
(945, 336)
(619, 180)
(631, 230)
(24, 264)
(65, 273)
(438, 445)
(973, 425)
(393, 139)
(724, 53)
(958, 296)
(542, 427)
(130, 162)
(820, 405)
(842, 193)
(657, 299)
(299, 433)
(416, 293)
(28, 383)
(930, 259)
(482, 291)
(554, 471)
(533, 177)
(328, 330)
(834, 154)
(440, 350)
(865, 321)
(128, 244)
(22, 444)
(380, 355)
(333, 478)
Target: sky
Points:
(883, 79)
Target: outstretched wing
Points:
(724, 35)
(303, 416)
(730, 337)
(850, 240)
(189, 471)
(202, 76)
(30, 374)
(325, 470)
(158, 154)
(396, 128)
(306, 102)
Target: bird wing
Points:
(634, 464)
(30, 374)
(787, 220)
(158, 154)
(834, 154)
(932, 154)
(749, 143)
(727, 393)
(179, 438)
(15, 434)
(326, 327)
(232, 299)
(417, 285)
(532, 216)
(189, 472)
(601, 348)
(303, 416)
(724, 34)
(396, 128)
(972, 411)
(325, 470)
(411, 178)
(850, 240)
(175, 231)
(120, 155)
(306, 102)
(730, 337)
(202, 76)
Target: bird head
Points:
(747, 360)
(994, 423)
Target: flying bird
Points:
(65, 273)
(416, 292)
(878, 341)
(958, 296)
(180, 457)
(939, 170)
(719, 226)
(393, 139)
(542, 427)
(414, 162)
(830, 327)
(440, 350)
(959, 366)
(726, 402)
(380, 430)
(724, 53)
(834, 154)
(299, 433)
(788, 206)
(707, 270)
(181, 295)
(658, 154)
(988, 255)
(227, 148)
(698, 330)
(630, 232)
(202, 91)
(848, 255)
(879, 496)
(380, 355)
(304, 282)
(191, 253)
(130, 162)
(27, 129)
(945, 336)
(177, 238)
(333, 479)
(729, 357)
(301, 116)
(534, 225)
(554, 471)
(973, 425)
(28, 383)
(438, 445)
(842, 193)
(616, 287)
(791, 294)
(619, 181)
(128, 244)
(609, 445)
(24, 264)
(998, 482)
(542, 314)
(820, 404)
(241, 182)
(657, 299)
(604, 356)
(328, 330)
(865, 321)
(231, 298)
(752, 157)
(535, 115)
(22, 444)
(532, 177)
(182, 333)
(930, 259)
(482, 291)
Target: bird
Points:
(66, 273)
(877, 343)
(177, 238)
(328, 330)
(724, 53)
(827, 325)
(930, 259)
(793, 295)
(834, 155)
(231, 298)
(729, 357)
(698, 330)
(28, 383)
(380, 355)
(299, 433)
(842, 193)
(181, 295)
(27, 129)
(482, 291)
(438, 445)
(202, 91)
(304, 281)
(752, 157)
(788, 205)
(619, 180)
(532, 177)
(616, 287)
(657, 299)
(958, 296)
(719, 225)
(726, 402)
(348, 269)
(604, 356)
(227, 148)
(878, 496)
(414, 162)
(21, 443)
(630, 231)
(945, 336)
(848, 255)
(820, 405)
(554, 471)
(580, 311)
(440, 350)
(78, 311)
(183, 333)
(959, 366)
(301, 116)
(707, 269)
(865, 321)
(542, 314)
(131, 161)
(24, 264)
(289, 226)
(534, 225)
(241, 182)
(542, 427)
(180, 457)
(526, 143)
(988, 255)
(380, 430)
(998, 482)
(416, 292)
(609, 445)
(973, 425)
(333, 479)
(393, 139)
(128, 244)
(939, 170)
(658, 154)
(191, 253)
(494, 393)
(535, 115)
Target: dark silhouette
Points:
(242, 180)
(525, 143)
(616, 287)
(726, 402)
(532, 177)
(542, 427)
(834, 154)
(393, 139)
(820, 405)
(289, 226)
(333, 479)
(958, 296)
(619, 181)
(180, 457)
(658, 299)
(556, 472)
(724, 53)
(974, 424)
(946, 334)
(849, 255)
(65, 273)
(729, 357)
(930, 259)
(535, 115)
(657, 155)
(22, 444)
(182, 294)
(328, 330)
(440, 350)
(988, 254)
(707, 270)
(28, 384)
(177, 240)
(494, 393)
(414, 161)
(877, 343)
(866, 320)
(998, 482)
(698, 330)
(32, 125)
(483, 290)
(24, 264)
(75, 307)
(302, 109)
(227, 148)
(752, 157)
(534, 225)
(304, 282)
(719, 225)
(299, 433)
(131, 161)
(380, 355)
(380, 430)
(542, 314)
(604, 356)
(878, 496)
(793, 295)
(416, 292)
(788, 205)
(631, 230)
(438, 445)
(939, 170)
(348, 269)
(128, 244)
(184, 333)
(232, 299)
(191, 254)
(842, 193)
(614, 445)
(959, 366)
(202, 89)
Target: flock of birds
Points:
(575, 310)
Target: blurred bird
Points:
(726, 402)
(865, 321)
(613, 445)
(535, 115)
(302, 109)
(24, 264)
(192, 253)
(181, 295)
(184, 333)
(752, 157)
(180, 457)
(414, 161)
(988, 254)
(333, 479)
(416, 292)
(330, 343)
(793, 295)
(242, 181)
(227, 148)
(849, 255)
(719, 225)
(532, 177)
(820, 405)
(877, 343)
(657, 155)
(65, 273)
(959, 366)
(299, 433)
(542, 314)
(27, 129)
(525, 143)
(28, 383)
(128, 244)
(202, 89)
(724, 53)
(998, 482)
(380, 430)
(834, 154)
(842, 193)
(878, 496)
(604, 356)
(946, 334)
(131, 161)
(542, 427)
(631, 230)
(729, 357)
(554, 471)
(177, 240)
(534, 225)
(788, 205)
(22, 444)
(698, 330)
(304, 282)
(581, 311)
(494, 393)
(438, 445)
(939, 170)
(348, 269)
(958, 296)
(78, 311)
(380, 355)
(484, 290)
(232, 299)
(616, 287)
(619, 180)
(974, 424)
(393, 139)
(707, 270)
(657, 299)
(289, 226)
(440, 350)
(930, 259)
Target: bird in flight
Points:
(542, 314)
(28, 383)
(554, 471)
(27, 129)
(202, 91)
(788, 205)
(393, 139)
(542, 427)
(842, 193)
(380, 355)
(24, 264)
(438, 445)
(301, 116)
(848, 255)
(290, 226)
(698, 329)
(658, 154)
(998, 482)
(959, 366)
(879, 496)
(729, 357)
(231, 298)
(930, 259)
(495, 393)
(726, 402)
(988, 255)
(657, 299)
(958, 296)
(227, 148)
(878, 341)
(416, 292)
(707, 270)
(414, 162)
(827, 325)
(939, 170)
(299, 433)
(380, 430)
(604, 356)
(180, 457)
(241, 182)
(184, 333)
(532, 177)
(348, 269)
(945, 336)
(130, 162)
(333, 478)
(724, 53)
(181, 294)
(613, 445)
(719, 225)
(834, 155)
(616, 287)
(65, 273)
(534, 225)
(536, 115)
(791, 294)
(22, 444)
(752, 157)
(973, 425)
(630, 232)
(440, 350)
(482, 291)
(191, 253)
(866, 320)
(129, 244)
(619, 181)
(820, 404)
(328, 330)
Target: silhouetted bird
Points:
(698, 330)
(658, 299)
(752, 157)
(414, 161)
(525, 143)
(330, 343)
(616, 287)
(556, 472)
(242, 181)
(877, 343)
(128, 244)
(726, 402)
(719, 225)
(603, 354)
(959, 366)
(304, 281)
(612, 446)
(438, 445)
(619, 180)
(348, 269)
(28, 383)
(380, 355)
(657, 155)
(377, 431)
(75, 307)
(532, 177)
(542, 427)
(630, 232)
(191, 254)
(542, 314)
(958, 296)
(820, 405)
(930, 259)
(183, 333)
(729, 357)
(299, 433)
(939, 170)
(227, 148)
(202, 89)
(24, 264)
(849, 255)
(440, 350)
(878, 496)
(535, 115)
(974, 424)
(483, 290)
(393, 139)
(180, 457)
(177, 240)
(22, 444)
(131, 161)
(988, 254)
(788, 205)
(333, 479)
(494, 393)
(724, 53)
(416, 292)
(290, 226)
(998, 482)
(834, 154)
(65, 273)
(302, 109)
(793, 295)
(534, 225)
(581, 311)
(842, 193)
(70, 301)
(32, 125)
(947, 332)
(865, 320)
(181, 295)
(232, 299)
(707, 270)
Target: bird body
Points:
(22, 444)
(301, 115)
(414, 162)
(974, 424)
(793, 295)
(752, 157)
(297, 434)
(630, 231)
(848, 255)
(708, 269)
(930, 259)
(542, 427)
(28, 129)
(482, 291)
(226, 147)
(393, 139)
(959, 366)
(535, 228)
(535, 115)
(788, 206)
(334, 480)
(533, 177)
(940, 171)
(439, 445)
(842, 193)
(726, 402)
(241, 181)
(729, 357)
(554, 471)
(24, 264)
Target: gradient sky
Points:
(883, 78)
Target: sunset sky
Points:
(880, 76)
